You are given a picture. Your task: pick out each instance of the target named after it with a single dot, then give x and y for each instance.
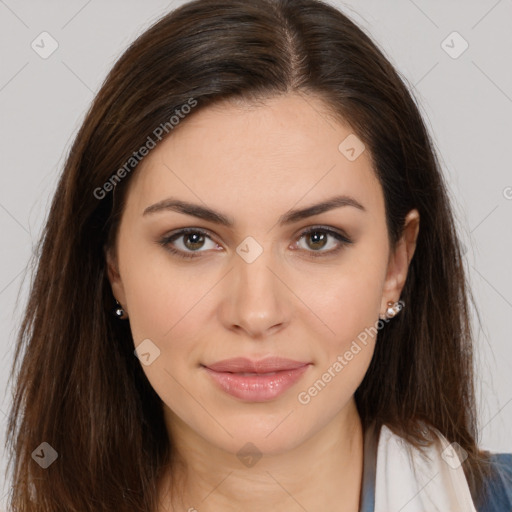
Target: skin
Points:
(254, 163)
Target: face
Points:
(256, 279)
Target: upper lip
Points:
(244, 365)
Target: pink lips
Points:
(256, 381)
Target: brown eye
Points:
(318, 239)
(188, 243)
(193, 241)
(322, 241)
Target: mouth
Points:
(256, 381)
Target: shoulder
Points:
(497, 492)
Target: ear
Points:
(399, 260)
(114, 277)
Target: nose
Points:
(256, 302)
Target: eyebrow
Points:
(202, 212)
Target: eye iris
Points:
(317, 237)
(197, 238)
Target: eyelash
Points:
(167, 240)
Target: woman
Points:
(250, 291)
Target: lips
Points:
(244, 365)
(256, 381)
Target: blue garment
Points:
(496, 494)
(369, 470)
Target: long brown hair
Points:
(79, 387)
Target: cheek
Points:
(161, 294)
(167, 306)
(352, 293)
(351, 304)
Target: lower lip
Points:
(257, 388)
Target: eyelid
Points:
(327, 229)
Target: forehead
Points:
(251, 155)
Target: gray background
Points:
(466, 102)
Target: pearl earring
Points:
(393, 309)
(119, 312)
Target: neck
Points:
(322, 473)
